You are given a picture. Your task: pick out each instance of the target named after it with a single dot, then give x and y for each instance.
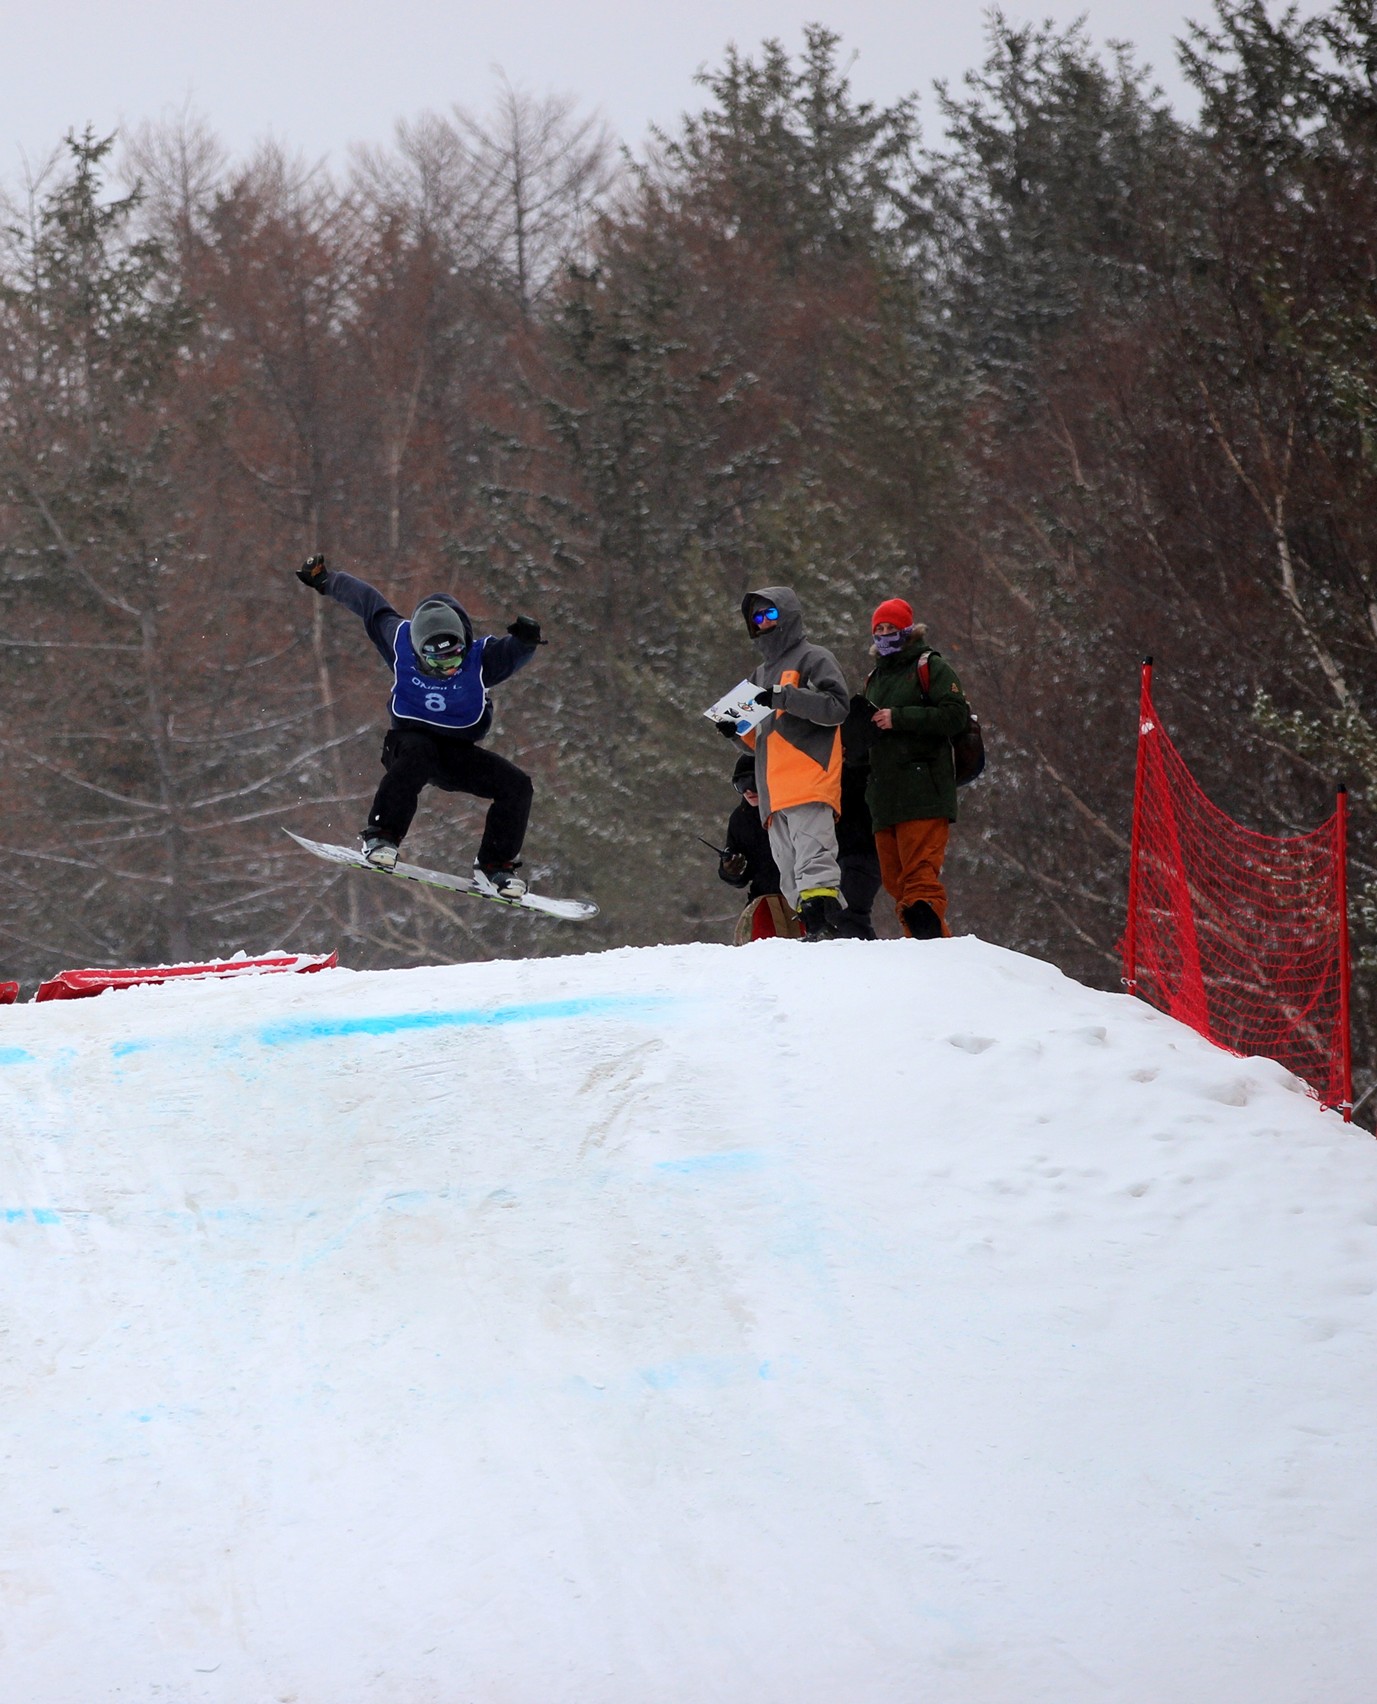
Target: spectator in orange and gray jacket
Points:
(798, 756)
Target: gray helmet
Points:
(438, 637)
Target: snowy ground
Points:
(842, 1324)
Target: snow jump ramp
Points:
(842, 1324)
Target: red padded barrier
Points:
(81, 984)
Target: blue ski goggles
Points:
(760, 616)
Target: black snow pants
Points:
(860, 881)
(416, 758)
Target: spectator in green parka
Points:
(919, 710)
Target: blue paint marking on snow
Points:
(306, 1030)
(15, 1056)
(160, 1411)
(737, 1160)
(407, 1200)
(191, 1219)
(38, 1215)
(661, 1378)
(702, 1372)
(303, 1031)
(688, 1372)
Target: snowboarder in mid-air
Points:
(441, 675)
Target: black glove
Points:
(312, 573)
(726, 727)
(527, 631)
(733, 867)
(771, 697)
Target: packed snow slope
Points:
(840, 1324)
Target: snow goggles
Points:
(443, 656)
(760, 616)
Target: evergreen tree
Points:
(1058, 193)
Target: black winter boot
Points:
(822, 918)
(922, 922)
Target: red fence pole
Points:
(1131, 933)
(1341, 873)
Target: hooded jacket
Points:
(455, 708)
(798, 751)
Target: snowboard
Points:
(764, 918)
(571, 910)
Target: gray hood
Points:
(787, 631)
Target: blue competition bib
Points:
(457, 703)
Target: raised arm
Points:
(503, 657)
(379, 619)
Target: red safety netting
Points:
(1243, 936)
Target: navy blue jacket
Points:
(497, 659)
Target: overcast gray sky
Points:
(318, 75)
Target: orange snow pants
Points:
(911, 855)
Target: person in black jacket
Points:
(747, 862)
(441, 675)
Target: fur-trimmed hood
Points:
(919, 630)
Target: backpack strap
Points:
(925, 674)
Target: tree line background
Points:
(1081, 378)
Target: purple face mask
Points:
(888, 643)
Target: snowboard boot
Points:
(821, 916)
(380, 852)
(922, 922)
(499, 880)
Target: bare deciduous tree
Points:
(177, 165)
(541, 173)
